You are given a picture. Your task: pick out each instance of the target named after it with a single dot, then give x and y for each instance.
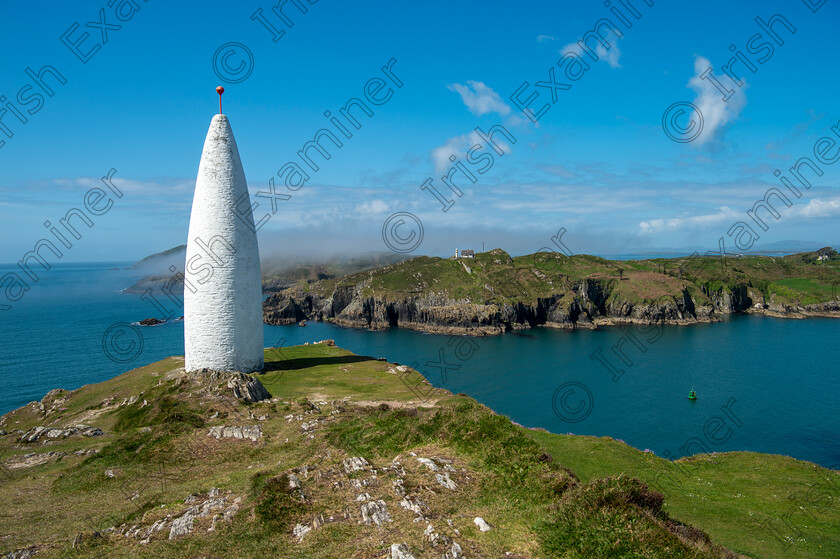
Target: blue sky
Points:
(597, 163)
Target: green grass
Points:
(805, 290)
(740, 498)
(325, 372)
(276, 503)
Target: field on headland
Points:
(324, 469)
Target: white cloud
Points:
(655, 226)
(817, 208)
(372, 208)
(715, 111)
(545, 38)
(725, 216)
(479, 98)
(458, 146)
(608, 55)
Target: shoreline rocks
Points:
(591, 304)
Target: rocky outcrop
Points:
(55, 433)
(205, 512)
(27, 553)
(590, 303)
(250, 432)
(248, 388)
(400, 551)
(482, 524)
(828, 309)
(375, 512)
(243, 386)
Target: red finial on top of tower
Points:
(220, 90)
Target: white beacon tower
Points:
(223, 319)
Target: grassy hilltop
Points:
(495, 276)
(351, 456)
(493, 292)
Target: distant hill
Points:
(159, 263)
(278, 272)
(494, 292)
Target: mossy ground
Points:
(546, 495)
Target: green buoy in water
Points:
(692, 395)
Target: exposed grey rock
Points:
(444, 480)
(21, 553)
(156, 527)
(252, 432)
(214, 492)
(430, 534)
(300, 530)
(354, 464)
(248, 388)
(455, 552)
(210, 505)
(294, 481)
(400, 551)
(428, 463)
(230, 512)
(110, 473)
(375, 512)
(413, 504)
(33, 459)
(482, 524)
(184, 524)
(55, 433)
(308, 426)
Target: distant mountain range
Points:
(776, 248)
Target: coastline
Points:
(818, 310)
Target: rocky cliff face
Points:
(591, 303)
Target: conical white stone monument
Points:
(223, 321)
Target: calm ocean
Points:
(763, 384)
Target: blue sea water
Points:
(763, 384)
